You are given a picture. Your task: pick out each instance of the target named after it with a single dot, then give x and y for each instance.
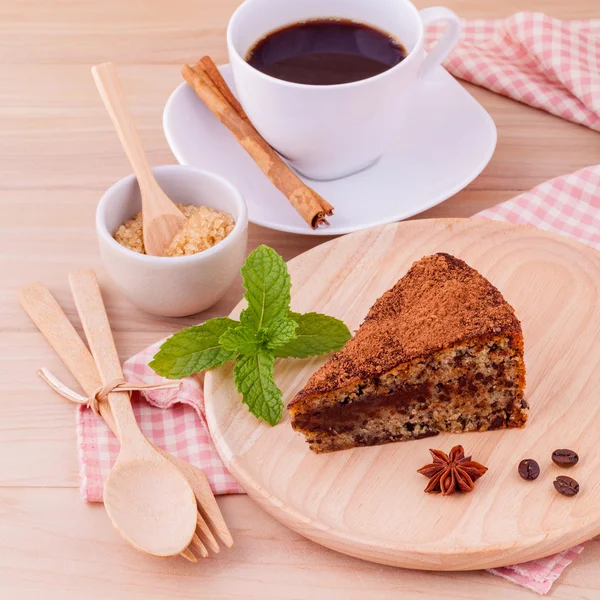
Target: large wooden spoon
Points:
(148, 500)
(161, 218)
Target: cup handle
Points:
(441, 50)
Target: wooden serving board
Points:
(369, 502)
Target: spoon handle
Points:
(46, 313)
(88, 300)
(111, 92)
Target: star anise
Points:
(452, 472)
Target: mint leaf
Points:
(193, 349)
(267, 284)
(280, 332)
(241, 340)
(254, 378)
(316, 334)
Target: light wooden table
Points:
(57, 153)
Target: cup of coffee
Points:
(328, 82)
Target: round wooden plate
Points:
(369, 502)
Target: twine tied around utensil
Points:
(101, 394)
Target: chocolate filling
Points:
(411, 399)
(367, 406)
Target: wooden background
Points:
(58, 152)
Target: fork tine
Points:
(198, 546)
(188, 555)
(205, 534)
(210, 509)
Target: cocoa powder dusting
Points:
(440, 302)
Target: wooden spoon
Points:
(161, 218)
(148, 500)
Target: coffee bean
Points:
(566, 486)
(565, 458)
(529, 469)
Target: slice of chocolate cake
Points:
(441, 351)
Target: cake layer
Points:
(474, 387)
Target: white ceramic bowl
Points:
(173, 286)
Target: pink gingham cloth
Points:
(550, 64)
(535, 59)
(171, 419)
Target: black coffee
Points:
(326, 52)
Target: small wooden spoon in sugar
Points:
(161, 218)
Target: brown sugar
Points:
(204, 228)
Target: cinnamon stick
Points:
(207, 63)
(215, 76)
(312, 207)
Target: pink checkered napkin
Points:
(181, 430)
(535, 59)
(567, 205)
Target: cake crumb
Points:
(204, 228)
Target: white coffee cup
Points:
(327, 132)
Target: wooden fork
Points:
(52, 322)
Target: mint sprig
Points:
(267, 329)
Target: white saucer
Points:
(447, 142)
